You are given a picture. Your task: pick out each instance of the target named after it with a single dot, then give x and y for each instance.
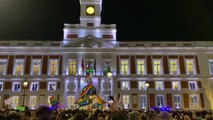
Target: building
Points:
(179, 73)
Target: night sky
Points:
(138, 20)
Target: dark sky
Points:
(136, 20)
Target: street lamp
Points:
(109, 75)
(147, 95)
(24, 85)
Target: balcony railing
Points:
(175, 73)
(157, 73)
(191, 73)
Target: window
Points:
(126, 101)
(16, 86)
(141, 85)
(1, 86)
(176, 85)
(160, 100)
(177, 100)
(211, 66)
(14, 102)
(194, 100)
(71, 101)
(36, 67)
(53, 68)
(19, 67)
(125, 85)
(71, 86)
(157, 67)
(72, 67)
(159, 85)
(190, 67)
(173, 65)
(140, 67)
(33, 102)
(193, 85)
(51, 86)
(106, 67)
(3, 67)
(143, 101)
(34, 86)
(124, 67)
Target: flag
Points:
(116, 105)
(54, 102)
(8, 101)
(82, 65)
(21, 108)
(88, 77)
(94, 65)
(86, 90)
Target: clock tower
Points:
(90, 29)
(90, 13)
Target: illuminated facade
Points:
(179, 73)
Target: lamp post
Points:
(109, 75)
(24, 84)
(147, 95)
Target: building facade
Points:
(179, 73)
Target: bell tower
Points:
(90, 13)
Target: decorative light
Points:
(109, 74)
(147, 84)
(25, 83)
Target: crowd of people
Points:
(45, 113)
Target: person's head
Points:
(13, 115)
(27, 113)
(134, 115)
(101, 117)
(186, 117)
(43, 112)
(79, 116)
(164, 115)
(118, 115)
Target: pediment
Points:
(90, 42)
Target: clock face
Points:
(90, 10)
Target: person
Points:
(118, 115)
(134, 115)
(164, 115)
(13, 115)
(43, 113)
(78, 116)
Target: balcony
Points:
(191, 73)
(174, 73)
(141, 73)
(157, 73)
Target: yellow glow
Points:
(124, 67)
(36, 69)
(157, 67)
(173, 66)
(140, 68)
(90, 10)
(19, 69)
(53, 67)
(72, 67)
(189, 66)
